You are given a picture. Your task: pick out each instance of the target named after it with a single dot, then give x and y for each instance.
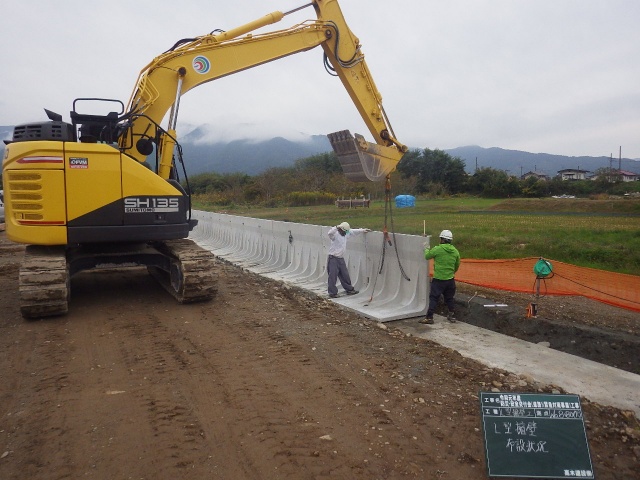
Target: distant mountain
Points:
(207, 149)
(5, 133)
(203, 153)
(254, 157)
(517, 163)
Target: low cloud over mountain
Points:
(239, 148)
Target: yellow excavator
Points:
(104, 191)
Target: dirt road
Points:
(265, 382)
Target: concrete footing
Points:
(597, 382)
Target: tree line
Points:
(319, 180)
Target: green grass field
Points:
(602, 234)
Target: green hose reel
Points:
(542, 268)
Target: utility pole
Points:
(610, 168)
(620, 159)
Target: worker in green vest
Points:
(446, 260)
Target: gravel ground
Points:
(263, 382)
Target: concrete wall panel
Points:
(297, 254)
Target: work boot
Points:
(426, 321)
(451, 317)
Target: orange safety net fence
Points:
(517, 275)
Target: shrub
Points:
(305, 199)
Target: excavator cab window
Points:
(96, 128)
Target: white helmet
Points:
(344, 226)
(446, 234)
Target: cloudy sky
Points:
(552, 76)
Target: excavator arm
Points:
(193, 62)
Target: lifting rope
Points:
(388, 215)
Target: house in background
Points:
(615, 175)
(627, 176)
(573, 174)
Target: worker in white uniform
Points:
(336, 266)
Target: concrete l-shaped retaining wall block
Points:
(392, 279)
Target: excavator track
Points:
(44, 282)
(192, 271)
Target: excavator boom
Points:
(204, 59)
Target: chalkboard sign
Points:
(535, 436)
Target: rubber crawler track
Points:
(44, 282)
(193, 271)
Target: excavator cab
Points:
(96, 128)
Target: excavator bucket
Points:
(362, 161)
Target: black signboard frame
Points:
(530, 435)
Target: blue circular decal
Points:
(201, 64)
